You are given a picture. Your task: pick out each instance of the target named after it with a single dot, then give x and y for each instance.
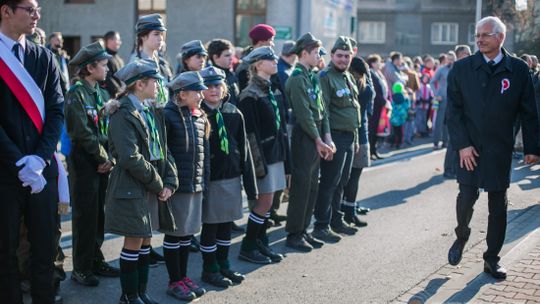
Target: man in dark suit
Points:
(28, 179)
(486, 92)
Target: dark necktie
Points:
(15, 51)
(491, 65)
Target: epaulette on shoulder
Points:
(74, 86)
(296, 72)
(229, 108)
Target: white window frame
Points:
(372, 32)
(441, 33)
(471, 32)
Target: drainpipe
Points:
(298, 18)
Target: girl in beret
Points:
(144, 175)
(231, 167)
(187, 135)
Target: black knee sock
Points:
(129, 276)
(208, 247)
(223, 241)
(143, 268)
(183, 254)
(349, 209)
(255, 222)
(171, 245)
(262, 231)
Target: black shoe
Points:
(86, 278)
(272, 223)
(297, 242)
(326, 235)
(105, 270)
(495, 270)
(354, 220)
(237, 228)
(277, 218)
(232, 275)
(267, 251)
(194, 247)
(57, 297)
(156, 256)
(378, 156)
(130, 299)
(344, 229)
(216, 279)
(456, 251)
(145, 297)
(313, 241)
(254, 256)
(362, 210)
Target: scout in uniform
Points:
(267, 135)
(144, 174)
(187, 135)
(220, 53)
(231, 167)
(261, 35)
(150, 31)
(112, 45)
(312, 140)
(340, 95)
(193, 56)
(89, 163)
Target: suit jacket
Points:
(18, 136)
(482, 108)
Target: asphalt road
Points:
(410, 230)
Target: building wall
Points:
(408, 23)
(88, 20)
(202, 20)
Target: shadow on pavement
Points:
(431, 288)
(396, 197)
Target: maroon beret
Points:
(262, 32)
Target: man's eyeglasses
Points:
(484, 35)
(31, 10)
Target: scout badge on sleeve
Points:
(505, 84)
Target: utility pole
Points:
(478, 17)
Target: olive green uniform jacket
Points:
(135, 177)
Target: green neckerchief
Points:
(103, 121)
(155, 145)
(161, 95)
(314, 82)
(275, 105)
(222, 131)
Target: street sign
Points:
(283, 33)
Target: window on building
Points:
(372, 32)
(248, 13)
(471, 32)
(444, 33)
(146, 7)
(79, 1)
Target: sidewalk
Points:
(467, 283)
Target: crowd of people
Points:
(149, 150)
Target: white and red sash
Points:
(29, 95)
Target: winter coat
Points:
(482, 109)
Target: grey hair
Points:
(498, 25)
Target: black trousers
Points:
(351, 189)
(498, 203)
(334, 177)
(304, 181)
(88, 189)
(40, 211)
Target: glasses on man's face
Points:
(478, 36)
(31, 10)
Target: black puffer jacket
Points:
(189, 146)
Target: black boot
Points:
(130, 299)
(350, 215)
(216, 279)
(145, 297)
